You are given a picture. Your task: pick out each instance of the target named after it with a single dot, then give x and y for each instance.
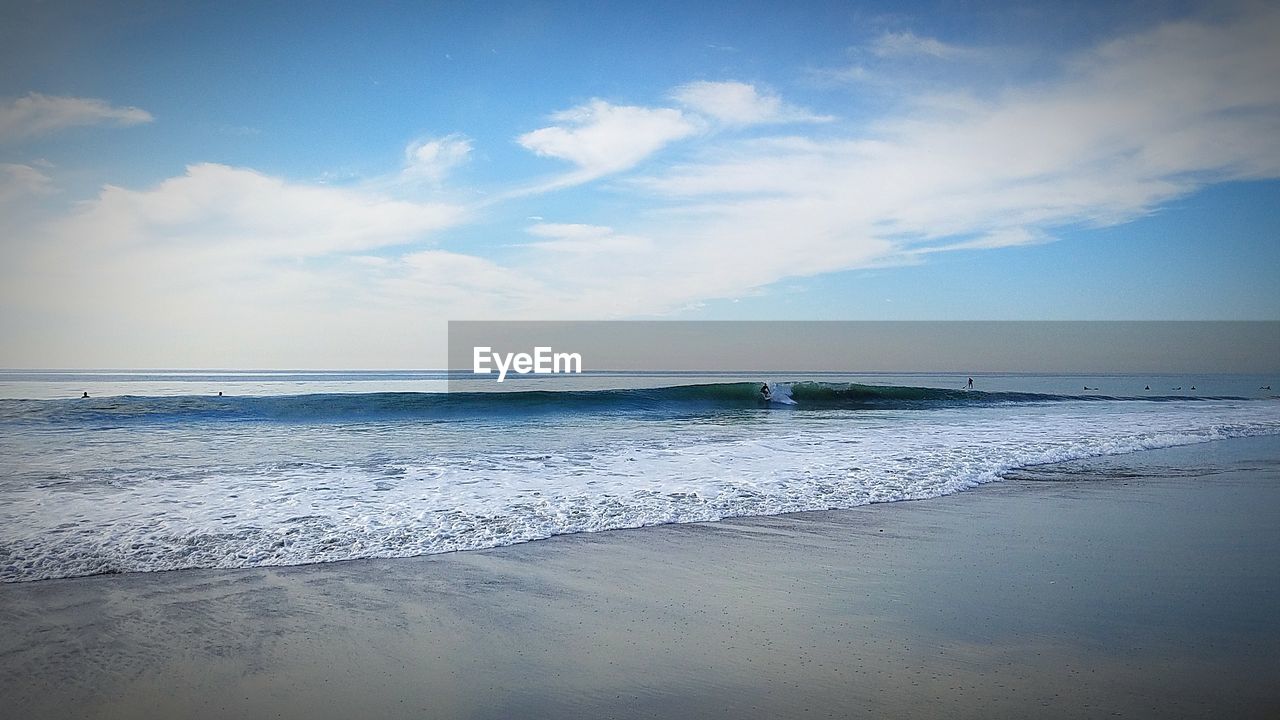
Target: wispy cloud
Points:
(433, 158)
(219, 253)
(737, 103)
(600, 138)
(1128, 126)
(216, 208)
(908, 44)
(21, 182)
(849, 74)
(1004, 238)
(585, 239)
(35, 114)
(894, 63)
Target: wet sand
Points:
(1144, 585)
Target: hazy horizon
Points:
(913, 347)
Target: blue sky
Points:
(324, 185)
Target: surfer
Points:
(765, 392)
(970, 385)
(85, 395)
(1147, 387)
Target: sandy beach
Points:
(1141, 585)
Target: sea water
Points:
(156, 471)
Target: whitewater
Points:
(166, 478)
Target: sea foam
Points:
(90, 495)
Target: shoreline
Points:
(1147, 592)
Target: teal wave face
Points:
(679, 399)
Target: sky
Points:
(324, 185)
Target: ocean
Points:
(156, 471)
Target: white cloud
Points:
(841, 75)
(736, 103)
(458, 276)
(22, 182)
(908, 44)
(601, 138)
(36, 114)
(220, 262)
(569, 231)
(1132, 124)
(585, 239)
(1001, 238)
(433, 159)
(219, 208)
(1129, 126)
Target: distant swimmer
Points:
(82, 397)
(765, 392)
(1147, 387)
(1086, 387)
(1193, 387)
(219, 393)
(970, 385)
(1177, 388)
(1265, 387)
